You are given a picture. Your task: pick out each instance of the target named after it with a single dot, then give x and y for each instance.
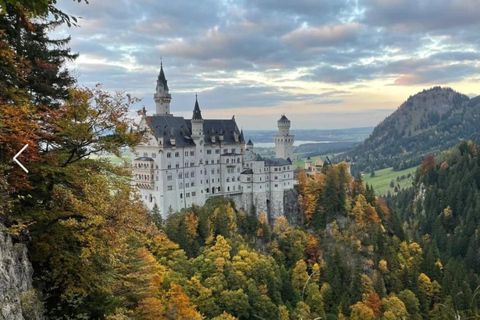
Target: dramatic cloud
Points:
(329, 60)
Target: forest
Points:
(97, 253)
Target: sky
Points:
(325, 64)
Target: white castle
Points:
(187, 161)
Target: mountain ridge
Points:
(430, 121)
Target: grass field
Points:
(381, 181)
(126, 156)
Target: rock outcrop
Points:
(18, 298)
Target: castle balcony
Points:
(143, 172)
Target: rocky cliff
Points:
(18, 299)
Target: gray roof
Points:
(161, 78)
(170, 126)
(247, 171)
(217, 127)
(283, 118)
(277, 162)
(228, 154)
(197, 114)
(249, 143)
(144, 159)
(177, 127)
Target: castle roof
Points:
(161, 78)
(283, 118)
(247, 171)
(319, 162)
(144, 159)
(249, 143)
(277, 162)
(170, 127)
(197, 114)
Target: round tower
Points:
(284, 140)
(308, 164)
(162, 97)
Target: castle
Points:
(182, 162)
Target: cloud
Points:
(271, 53)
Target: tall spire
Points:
(161, 77)
(197, 114)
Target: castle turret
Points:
(197, 120)
(308, 164)
(162, 97)
(283, 140)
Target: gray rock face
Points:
(18, 299)
(290, 205)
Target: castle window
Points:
(209, 151)
(228, 179)
(233, 150)
(151, 198)
(180, 175)
(186, 153)
(177, 165)
(169, 188)
(217, 151)
(169, 155)
(192, 153)
(206, 161)
(192, 164)
(228, 188)
(169, 178)
(177, 154)
(225, 150)
(187, 195)
(169, 166)
(192, 174)
(208, 190)
(218, 170)
(276, 185)
(194, 194)
(193, 184)
(233, 188)
(213, 171)
(187, 185)
(181, 195)
(186, 164)
(186, 174)
(228, 160)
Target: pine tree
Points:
(156, 216)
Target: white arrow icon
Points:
(18, 162)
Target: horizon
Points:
(352, 66)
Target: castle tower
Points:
(162, 97)
(308, 164)
(197, 120)
(198, 137)
(283, 140)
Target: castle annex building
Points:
(186, 161)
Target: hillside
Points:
(427, 123)
(443, 211)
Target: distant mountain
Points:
(427, 123)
